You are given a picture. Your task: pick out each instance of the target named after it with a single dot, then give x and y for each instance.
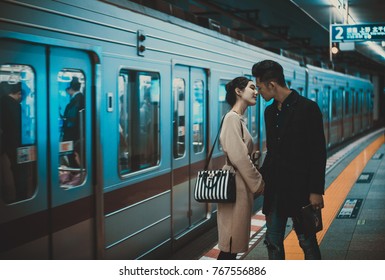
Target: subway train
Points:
(111, 176)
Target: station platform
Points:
(353, 217)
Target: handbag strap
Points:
(208, 159)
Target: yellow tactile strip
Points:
(334, 197)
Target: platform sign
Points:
(377, 156)
(365, 177)
(350, 209)
(357, 32)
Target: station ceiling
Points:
(297, 27)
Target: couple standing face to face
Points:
(248, 94)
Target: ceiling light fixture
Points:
(376, 48)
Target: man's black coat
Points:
(71, 126)
(295, 161)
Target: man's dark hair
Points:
(75, 84)
(269, 70)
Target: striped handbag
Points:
(215, 185)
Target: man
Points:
(13, 186)
(294, 167)
(71, 119)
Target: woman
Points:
(234, 219)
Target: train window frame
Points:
(198, 116)
(358, 107)
(325, 93)
(137, 85)
(334, 100)
(179, 118)
(365, 102)
(73, 170)
(347, 101)
(223, 106)
(253, 113)
(339, 102)
(22, 77)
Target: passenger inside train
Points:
(72, 116)
(10, 126)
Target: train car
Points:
(340, 98)
(114, 178)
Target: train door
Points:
(189, 145)
(23, 177)
(70, 154)
(46, 207)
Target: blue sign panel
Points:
(357, 32)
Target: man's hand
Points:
(316, 200)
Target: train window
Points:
(357, 103)
(254, 118)
(198, 115)
(224, 107)
(313, 95)
(325, 104)
(347, 102)
(179, 127)
(18, 167)
(139, 95)
(370, 101)
(72, 169)
(364, 103)
(334, 104)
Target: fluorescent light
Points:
(336, 3)
(376, 48)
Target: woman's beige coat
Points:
(234, 219)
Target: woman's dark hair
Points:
(239, 82)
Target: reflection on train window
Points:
(139, 144)
(198, 115)
(224, 107)
(18, 167)
(179, 89)
(72, 168)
